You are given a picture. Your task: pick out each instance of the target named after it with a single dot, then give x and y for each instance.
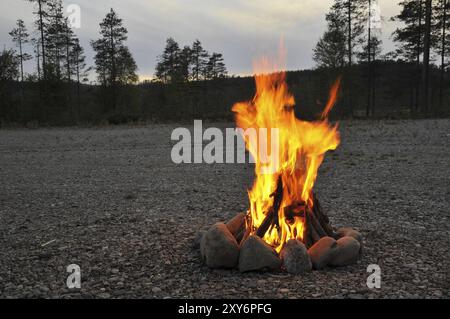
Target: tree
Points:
(9, 65)
(374, 49)
(370, 55)
(370, 51)
(426, 55)
(330, 50)
(199, 58)
(351, 13)
(114, 63)
(216, 67)
(78, 59)
(41, 13)
(20, 37)
(36, 42)
(410, 37)
(185, 63)
(55, 29)
(126, 67)
(9, 72)
(69, 44)
(169, 68)
(442, 33)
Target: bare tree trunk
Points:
(41, 26)
(374, 83)
(78, 86)
(38, 58)
(350, 54)
(21, 78)
(113, 69)
(419, 49)
(444, 26)
(369, 66)
(69, 75)
(426, 57)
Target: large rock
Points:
(219, 248)
(347, 252)
(257, 255)
(295, 257)
(198, 239)
(322, 252)
(348, 231)
(236, 226)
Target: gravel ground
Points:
(111, 201)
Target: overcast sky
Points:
(239, 29)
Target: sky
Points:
(241, 30)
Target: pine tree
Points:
(199, 60)
(114, 63)
(9, 65)
(168, 64)
(442, 43)
(185, 63)
(427, 44)
(70, 40)
(36, 42)
(20, 37)
(41, 14)
(216, 67)
(78, 61)
(330, 50)
(55, 38)
(9, 72)
(410, 39)
(352, 15)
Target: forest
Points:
(413, 81)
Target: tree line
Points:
(191, 82)
(191, 63)
(353, 35)
(54, 91)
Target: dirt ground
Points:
(111, 201)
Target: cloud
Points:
(240, 29)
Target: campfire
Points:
(285, 226)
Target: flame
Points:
(301, 146)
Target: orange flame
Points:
(301, 146)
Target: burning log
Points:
(310, 228)
(272, 217)
(317, 224)
(322, 217)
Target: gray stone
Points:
(236, 225)
(198, 239)
(347, 252)
(295, 257)
(257, 255)
(322, 252)
(219, 248)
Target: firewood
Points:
(315, 223)
(272, 216)
(310, 227)
(295, 210)
(322, 217)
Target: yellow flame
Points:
(301, 148)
